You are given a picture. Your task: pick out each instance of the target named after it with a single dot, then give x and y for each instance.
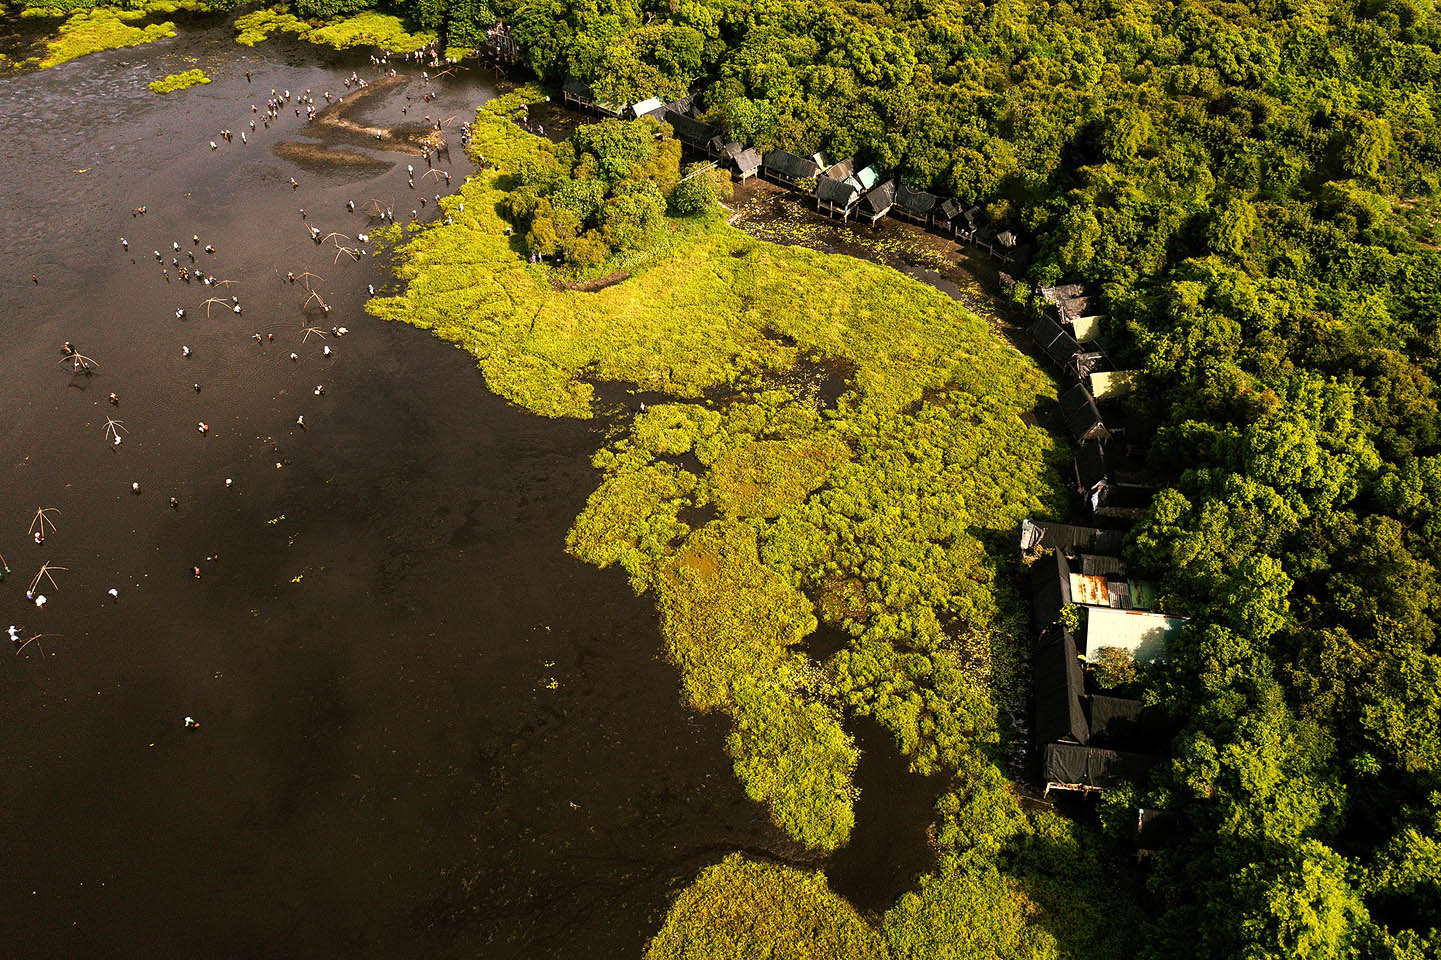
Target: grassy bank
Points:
(754, 503)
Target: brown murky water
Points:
(424, 730)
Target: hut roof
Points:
(1042, 534)
(835, 191)
(1050, 588)
(1093, 766)
(789, 165)
(1144, 634)
(1055, 342)
(1082, 416)
(647, 107)
(683, 105)
(1115, 383)
(1069, 299)
(748, 160)
(880, 199)
(1099, 565)
(1059, 683)
(1125, 724)
(842, 169)
(915, 201)
(864, 179)
(1090, 467)
(689, 130)
(950, 208)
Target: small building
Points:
(787, 169)
(839, 170)
(1114, 383)
(653, 106)
(1060, 684)
(577, 93)
(1069, 299)
(1139, 632)
(836, 197)
(878, 202)
(744, 162)
(948, 214)
(693, 133)
(683, 106)
(915, 205)
(1087, 769)
(1086, 328)
(1059, 346)
(968, 225)
(1036, 535)
(1082, 416)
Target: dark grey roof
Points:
(841, 170)
(1069, 299)
(950, 208)
(1059, 683)
(1096, 565)
(1057, 344)
(879, 200)
(689, 130)
(1091, 467)
(1125, 724)
(578, 88)
(1082, 416)
(1050, 588)
(973, 217)
(789, 165)
(1092, 766)
(731, 150)
(1045, 535)
(748, 160)
(1123, 501)
(835, 191)
(682, 105)
(915, 201)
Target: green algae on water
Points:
(102, 29)
(364, 29)
(179, 81)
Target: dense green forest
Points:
(1252, 187)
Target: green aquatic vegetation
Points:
(371, 29)
(739, 909)
(741, 502)
(102, 29)
(725, 615)
(363, 29)
(179, 81)
(791, 753)
(763, 477)
(255, 26)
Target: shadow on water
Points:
(890, 847)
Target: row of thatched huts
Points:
(839, 188)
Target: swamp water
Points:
(424, 729)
